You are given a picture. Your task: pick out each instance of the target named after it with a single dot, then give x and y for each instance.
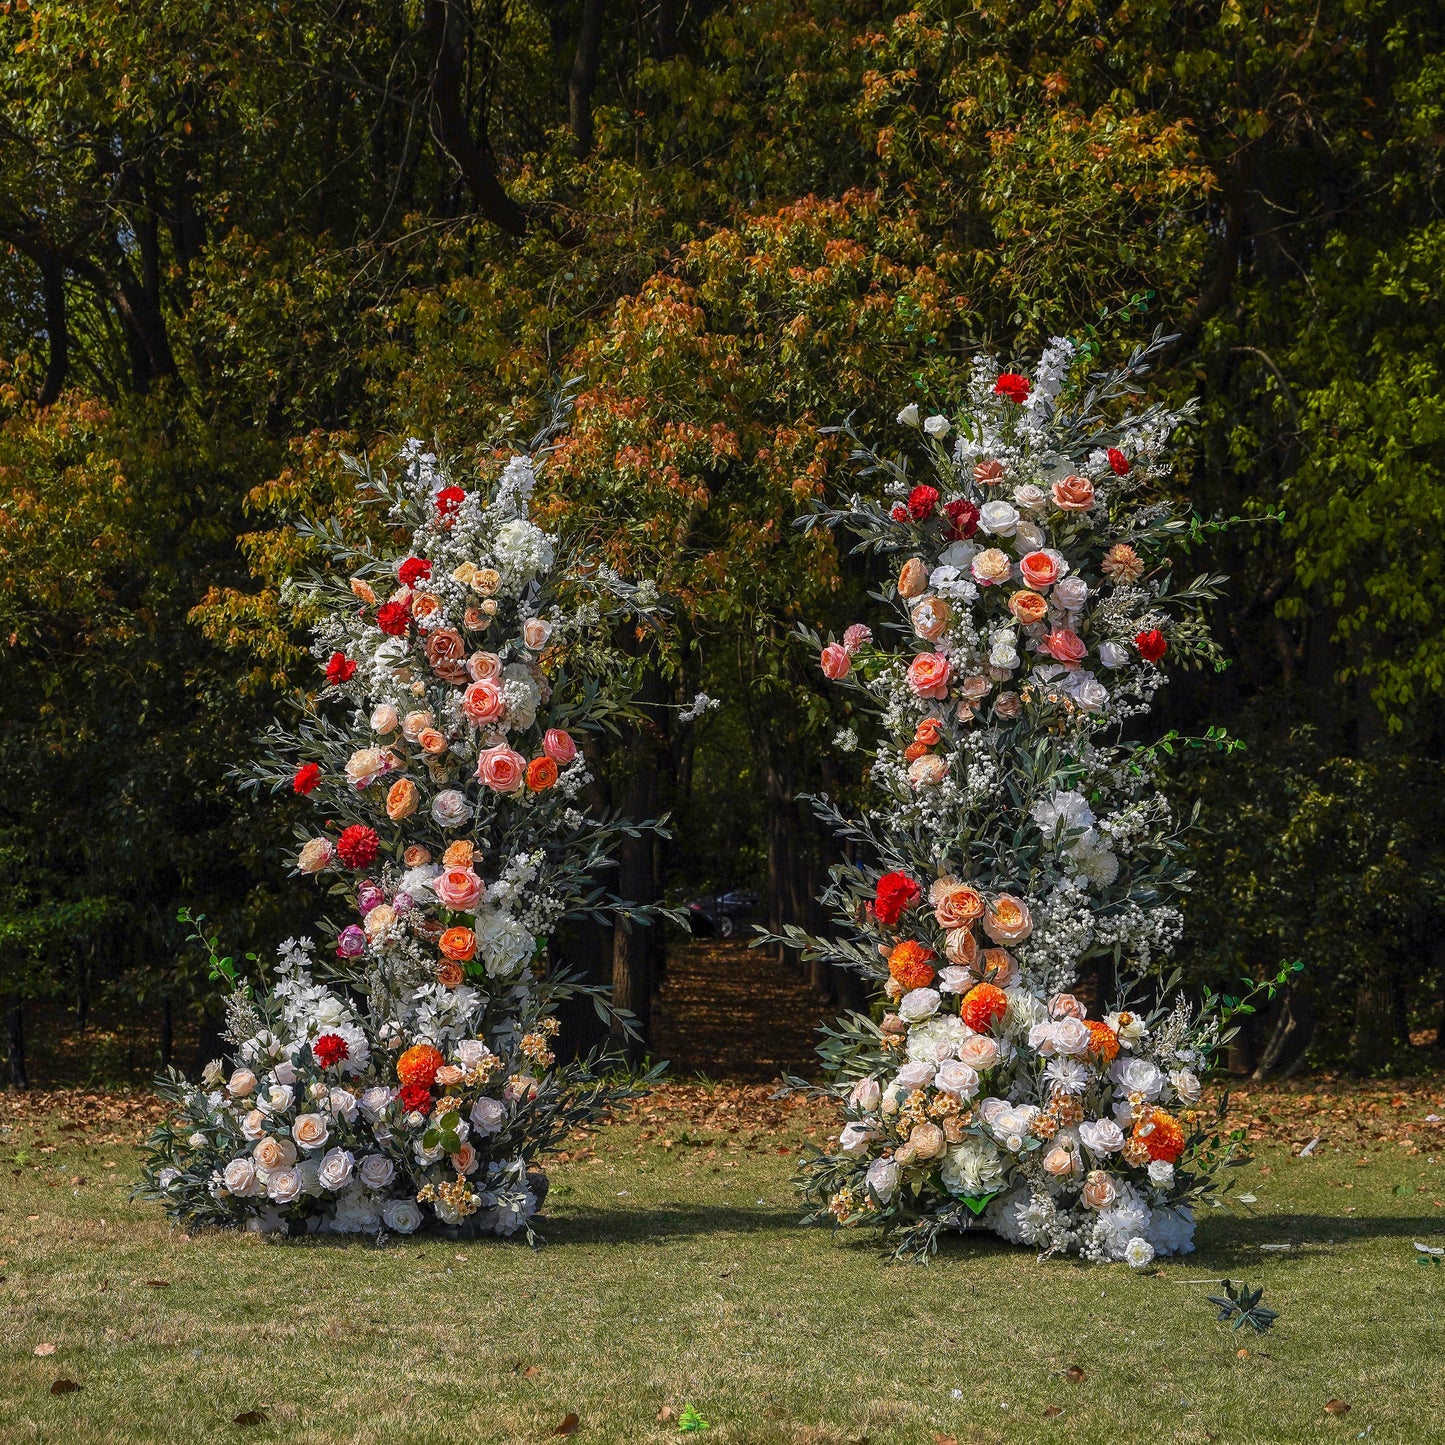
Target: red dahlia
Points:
(330, 1049)
(308, 776)
(414, 569)
(1151, 645)
(416, 1098)
(339, 668)
(962, 520)
(357, 845)
(1013, 386)
(449, 500)
(1118, 462)
(895, 892)
(392, 618)
(921, 502)
(899, 512)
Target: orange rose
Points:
(909, 964)
(541, 774)
(1028, 607)
(458, 854)
(929, 732)
(431, 741)
(1007, 919)
(416, 856)
(401, 800)
(1073, 494)
(1039, 570)
(988, 474)
(928, 675)
(458, 944)
(955, 904)
(449, 974)
(913, 579)
(423, 605)
(915, 750)
(1000, 966)
(445, 651)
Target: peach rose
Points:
(535, 632)
(363, 766)
(913, 579)
(363, 590)
(416, 856)
(1039, 570)
(1099, 1190)
(486, 580)
(1007, 705)
(401, 800)
(955, 904)
(928, 675)
(475, 620)
(927, 1141)
(376, 923)
(450, 1074)
(975, 686)
(1073, 494)
(484, 667)
(482, 702)
(445, 651)
(961, 947)
(423, 605)
(990, 567)
(1066, 646)
(927, 771)
(429, 740)
(988, 474)
(449, 974)
(415, 723)
(1000, 967)
(1006, 919)
(1065, 1006)
(559, 746)
(315, 855)
(458, 889)
(501, 768)
(1028, 607)
(930, 618)
(835, 662)
(979, 1052)
(1059, 1161)
(383, 718)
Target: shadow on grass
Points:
(1233, 1242)
(659, 1223)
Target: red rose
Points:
(357, 845)
(895, 892)
(1118, 462)
(449, 500)
(1151, 645)
(921, 502)
(307, 778)
(899, 512)
(962, 520)
(416, 1099)
(392, 618)
(414, 570)
(330, 1049)
(339, 668)
(1013, 386)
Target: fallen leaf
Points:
(46, 1349)
(532, 1371)
(250, 1417)
(1241, 1354)
(569, 1424)
(1052, 1412)
(64, 1387)
(666, 1413)
(1336, 1407)
(158, 1283)
(1075, 1375)
(945, 1440)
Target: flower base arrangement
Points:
(1015, 839)
(405, 1074)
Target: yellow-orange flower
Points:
(1103, 1041)
(458, 944)
(910, 964)
(1161, 1135)
(401, 800)
(458, 854)
(419, 1065)
(982, 1004)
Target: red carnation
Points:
(896, 891)
(308, 777)
(921, 502)
(392, 618)
(330, 1049)
(339, 668)
(416, 1098)
(899, 512)
(1151, 645)
(1118, 462)
(1013, 386)
(962, 520)
(415, 569)
(357, 845)
(449, 500)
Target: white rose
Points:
(918, 1004)
(1138, 1076)
(253, 1126)
(1138, 1252)
(376, 1100)
(917, 1075)
(1071, 593)
(284, 1185)
(1161, 1173)
(998, 518)
(1003, 653)
(957, 1079)
(450, 809)
(865, 1095)
(335, 1170)
(937, 427)
(278, 1098)
(883, 1179)
(1030, 497)
(311, 1131)
(1072, 1036)
(240, 1177)
(343, 1104)
(284, 1072)
(956, 980)
(1089, 693)
(1186, 1084)
(402, 1216)
(1028, 537)
(376, 1171)
(909, 415)
(214, 1074)
(1129, 1027)
(1101, 1136)
(1112, 655)
(958, 555)
(488, 1116)
(472, 1052)
(855, 1138)
(319, 1091)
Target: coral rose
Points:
(401, 800)
(1028, 607)
(982, 1006)
(1039, 570)
(928, 733)
(501, 768)
(928, 676)
(558, 744)
(913, 578)
(1073, 494)
(482, 702)
(1066, 646)
(431, 741)
(458, 944)
(449, 973)
(835, 662)
(484, 667)
(1000, 966)
(418, 1065)
(417, 856)
(1006, 919)
(458, 889)
(910, 964)
(988, 473)
(930, 618)
(541, 774)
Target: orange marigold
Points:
(910, 964)
(1161, 1135)
(1104, 1042)
(419, 1065)
(982, 1004)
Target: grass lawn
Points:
(675, 1275)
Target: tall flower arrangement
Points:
(1014, 837)
(404, 1071)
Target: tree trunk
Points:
(1294, 1031)
(15, 1039)
(1376, 1040)
(584, 947)
(168, 1032)
(584, 77)
(57, 331)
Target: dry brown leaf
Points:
(945, 1440)
(569, 1424)
(1075, 1375)
(45, 1349)
(64, 1387)
(1052, 1412)
(250, 1417)
(1336, 1407)
(158, 1284)
(666, 1413)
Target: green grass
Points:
(677, 1277)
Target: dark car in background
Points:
(720, 914)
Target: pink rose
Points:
(835, 662)
(501, 768)
(1065, 646)
(482, 702)
(855, 637)
(535, 632)
(928, 675)
(558, 746)
(459, 889)
(1073, 494)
